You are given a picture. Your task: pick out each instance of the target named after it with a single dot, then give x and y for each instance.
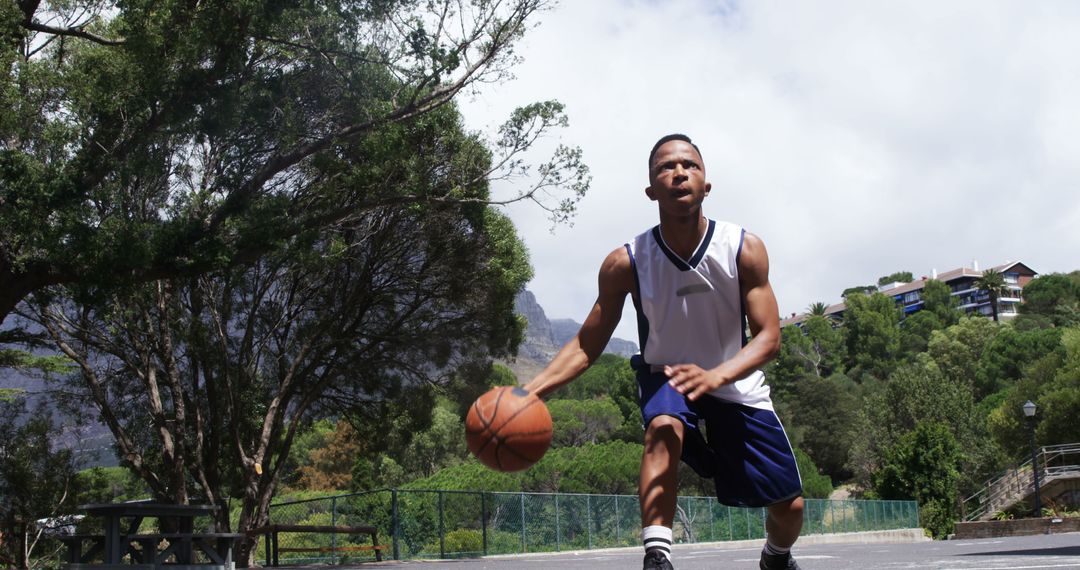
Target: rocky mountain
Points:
(544, 337)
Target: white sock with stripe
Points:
(657, 537)
(774, 550)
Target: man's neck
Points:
(682, 235)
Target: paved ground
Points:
(1023, 553)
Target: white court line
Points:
(1073, 565)
(800, 557)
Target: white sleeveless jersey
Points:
(691, 311)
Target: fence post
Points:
(394, 522)
(522, 495)
(588, 518)
(442, 529)
(727, 517)
(483, 520)
(333, 535)
(558, 529)
(712, 520)
(616, 520)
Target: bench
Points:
(272, 531)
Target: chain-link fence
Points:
(452, 524)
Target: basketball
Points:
(508, 429)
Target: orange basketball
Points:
(508, 429)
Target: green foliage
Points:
(460, 541)
(1054, 296)
(871, 334)
(898, 277)
(310, 437)
(36, 480)
(815, 484)
(925, 465)
(918, 393)
(958, 353)
(916, 329)
(1052, 382)
(1011, 352)
(53, 364)
(859, 290)
(167, 139)
(826, 410)
(607, 468)
(577, 422)
(363, 322)
(993, 282)
(470, 476)
(610, 376)
(937, 518)
(109, 485)
(937, 299)
(790, 365)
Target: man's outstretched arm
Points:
(615, 281)
(763, 317)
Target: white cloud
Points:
(855, 138)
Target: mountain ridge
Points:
(544, 337)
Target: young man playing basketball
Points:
(694, 283)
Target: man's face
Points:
(677, 178)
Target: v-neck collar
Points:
(699, 253)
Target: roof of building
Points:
(916, 285)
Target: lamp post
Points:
(1029, 411)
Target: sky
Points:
(855, 138)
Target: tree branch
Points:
(76, 32)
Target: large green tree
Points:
(154, 139)
(824, 411)
(959, 351)
(1052, 381)
(924, 465)
(1054, 297)
(871, 334)
(205, 382)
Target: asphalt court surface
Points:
(1057, 551)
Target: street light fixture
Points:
(1029, 411)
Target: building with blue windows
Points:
(970, 299)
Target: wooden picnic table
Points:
(120, 539)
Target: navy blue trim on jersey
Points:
(679, 262)
(742, 298)
(700, 254)
(642, 320)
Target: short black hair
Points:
(667, 139)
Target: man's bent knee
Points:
(662, 427)
(788, 509)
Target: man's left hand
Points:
(692, 380)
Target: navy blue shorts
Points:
(744, 450)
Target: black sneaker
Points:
(778, 562)
(655, 560)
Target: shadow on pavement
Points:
(1058, 551)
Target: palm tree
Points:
(993, 282)
(817, 309)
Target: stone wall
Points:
(1018, 527)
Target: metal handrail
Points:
(1015, 483)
